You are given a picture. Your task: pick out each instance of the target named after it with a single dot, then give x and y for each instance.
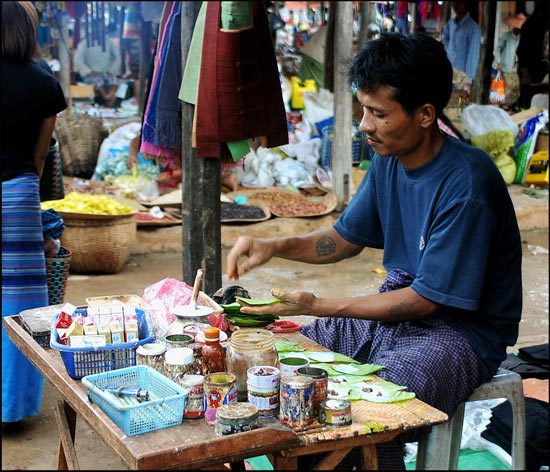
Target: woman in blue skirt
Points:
(31, 99)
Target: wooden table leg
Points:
(332, 459)
(65, 418)
(284, 463)
(369, 457)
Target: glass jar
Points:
(247, 348)
(151, 354)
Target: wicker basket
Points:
(79, 137)
(57, 273)
(99, 243)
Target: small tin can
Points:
(263, 389)
(320, 378)
(236, 418)
(335, 412)
(296, 401)
(177, 340)
(194, 406)
(219, 389)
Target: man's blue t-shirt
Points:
(450, 224)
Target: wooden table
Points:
(194, 445)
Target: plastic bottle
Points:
(213, 357)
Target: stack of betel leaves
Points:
(234, 316)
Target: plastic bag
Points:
(163, 296)
(497, 92)
(318, 106)
(498, 144)
(526, 142)
(481, 119)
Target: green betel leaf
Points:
(360, 369)
(287, 346)
(327, 356)
(255, 301)
(232, 308)
(380, 392)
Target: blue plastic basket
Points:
(360, 149)
(163, 409)
(81, 361)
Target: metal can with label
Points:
(296, 401)
(263, 389)
(320, 377)
(334, 412)
(236, 418)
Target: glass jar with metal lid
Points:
(249, 347)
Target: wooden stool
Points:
(439, 449)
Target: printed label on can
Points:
(194, 406)
(335, 412)
(219, 389)
(296, 401)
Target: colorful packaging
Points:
(525, 144)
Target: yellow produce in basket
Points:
(77, 202)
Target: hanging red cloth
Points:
(239, 94)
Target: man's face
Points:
(390, 130)
(460, 8)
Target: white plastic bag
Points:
(481, 119)
(318, 106)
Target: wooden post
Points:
(341, 152)
(65, 60)
(482, 79)
(365, 20)
(201, 227)
(144, 62)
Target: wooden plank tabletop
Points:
(193, 444)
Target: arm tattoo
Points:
(325, 246)
(401, 311)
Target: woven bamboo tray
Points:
(99, 243)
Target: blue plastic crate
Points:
(360, 149)
(81, 361)
(163, 409)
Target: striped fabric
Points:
(23, 287)
(422, 355)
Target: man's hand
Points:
(258, 251)
(131, 161)
(295, 303)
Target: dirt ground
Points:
(34, 445)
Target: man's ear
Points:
(427, 115)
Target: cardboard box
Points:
(83, 92)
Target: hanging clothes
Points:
(161, 132)
(239, 92)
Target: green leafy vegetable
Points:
(255, 301)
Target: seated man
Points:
(442, 213)
(99, 68)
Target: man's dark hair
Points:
(415, 66)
